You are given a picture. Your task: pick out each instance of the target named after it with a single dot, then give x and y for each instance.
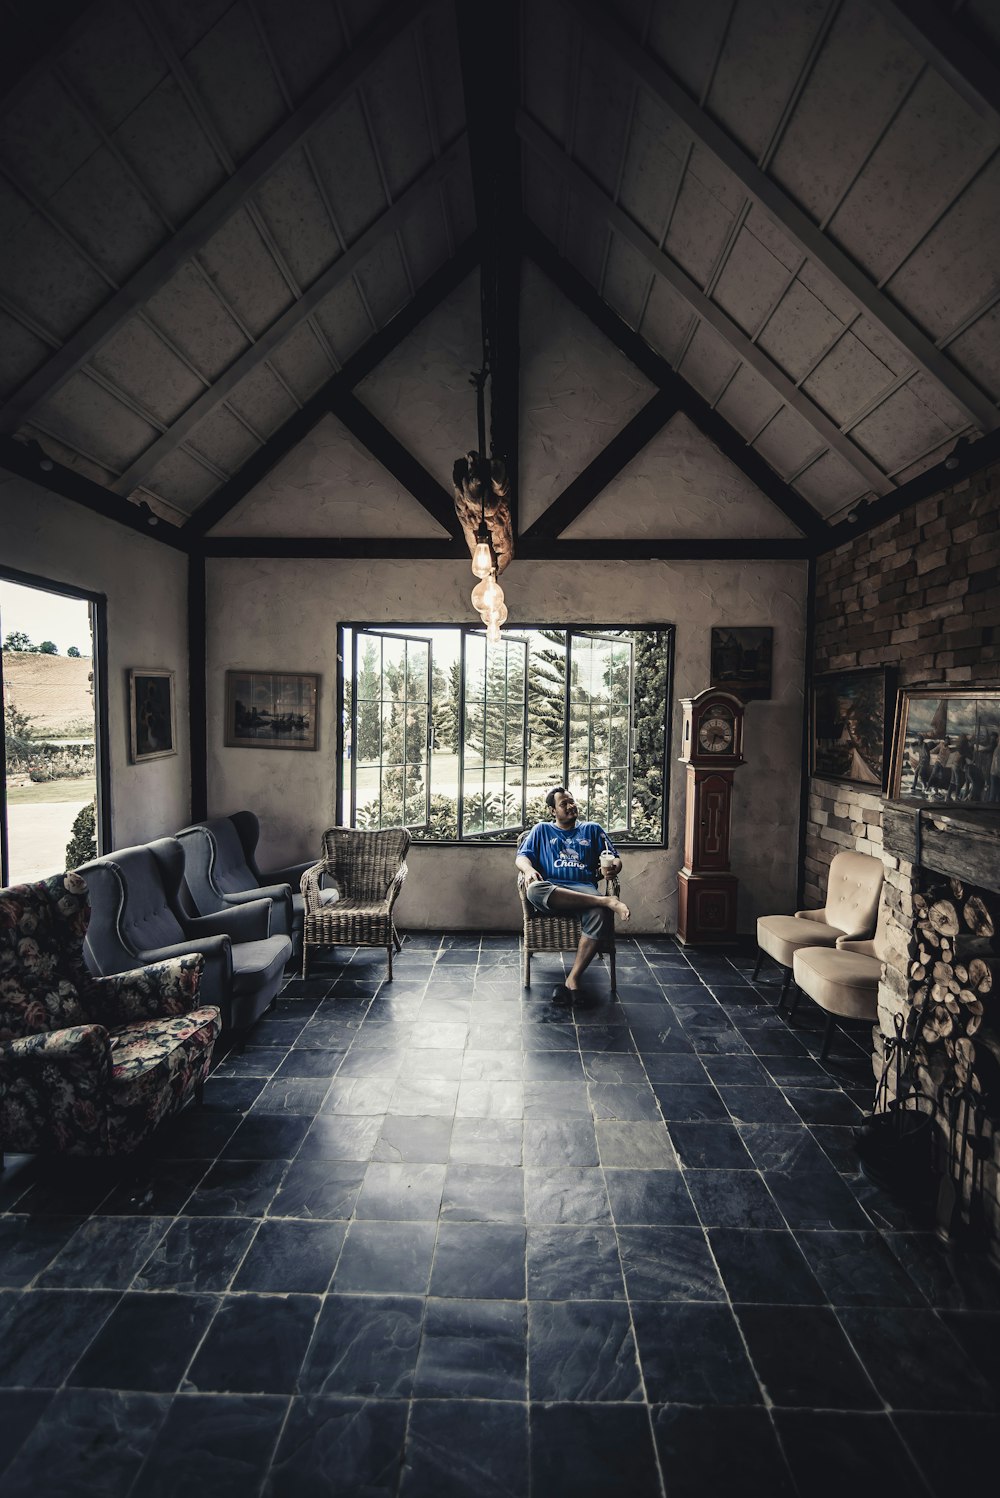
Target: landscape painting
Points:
(849, 725)
(271, 710)
(741, 660)
(946, 746)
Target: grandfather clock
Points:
(712, 749)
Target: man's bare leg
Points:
(575, 900)
(585, 954)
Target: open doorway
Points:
(52, 799)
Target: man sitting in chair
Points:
(561, 864)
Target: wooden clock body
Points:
(712, 749)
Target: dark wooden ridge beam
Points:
(341, 269)
(931, 32)
(326, 548)
(301, 423)
(708, 421)
(608, 464)
(395, 459)
(588, 191)
(393, 549)
(23, 458)
(214, 212)
(489, 47)
(789, 217)
(971, 459)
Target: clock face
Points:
(715, 733)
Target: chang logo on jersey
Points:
(569, 854)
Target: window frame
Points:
(99, 637)
(343, 784)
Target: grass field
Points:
(47, 792)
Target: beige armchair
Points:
(852, 902)
(557, 933)
(843, 979)
(368, 870)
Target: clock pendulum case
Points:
(712, 749)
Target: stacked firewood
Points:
(952, 971)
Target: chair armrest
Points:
(311, 883)
(292, 875)
(80, 1053)
(217, 951)
(812, 915)
(850, 944)
(395, 885)
(280, 896)
(162, 988)
(249, 922)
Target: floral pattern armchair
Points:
(89, 1066)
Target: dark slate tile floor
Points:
(439, 1237)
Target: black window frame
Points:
(343, 785)
(99, 637)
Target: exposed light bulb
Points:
(493, 632)
(482, 559)
(487, 594)
(497, 615)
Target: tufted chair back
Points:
(852, 894)
(364, 864)
(43, 977)
(135, 896)
(215, 862)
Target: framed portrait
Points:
(741, 660)
(852, 724)
(152, 730)
(946, 746)
(271, 710)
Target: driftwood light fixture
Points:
(481, 504)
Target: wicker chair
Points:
(368, 871)
(557, 933)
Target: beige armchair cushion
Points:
(841, 980)
(852, 900)
(781, 936)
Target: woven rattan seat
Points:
(557, 933)
(368, 871)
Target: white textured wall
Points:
(146, 587)
(283, 615)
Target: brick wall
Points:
(921, 593)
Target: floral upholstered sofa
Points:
(89, 1066)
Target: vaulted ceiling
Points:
(744, 253)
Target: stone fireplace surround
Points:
(925, 845)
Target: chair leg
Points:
(786, 980)
(796, 996)
(305, 957)
(199, 1093)
(525, 964)
(395, 937)
(388, 953)
(827, 1036)
(760, 959)
(614, 975)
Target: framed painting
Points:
(851, 725)
(946, 746)
(152, 729)
(741, 660)
(271, 710)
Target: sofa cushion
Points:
(780, 936)
(842, 982)
(256, 963)
(152, 1062)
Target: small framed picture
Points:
(851, 724)
(741, 660)
(946, 746)
(152, 730)
(271, 710)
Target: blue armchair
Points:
(220, 870)
(139, 917)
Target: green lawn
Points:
(49, 791)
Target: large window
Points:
(459, 740)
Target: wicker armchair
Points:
(368, 871)
(557, 933)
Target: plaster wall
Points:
(145, 584)
(283, 615)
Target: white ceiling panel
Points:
(182, 481)
(168, 149)
(848, 379)
(977, 351)
(223, 440)
(766, 45)
(21, 352)
(344, 157)
(680, 487)
(900, 429)
(262, 400)
(137, 360)
(302, 362)
(305, 38)
(751, 283)
(602, 134)
(788, 442)
(234, 81)
(86, 416)
(420, 391)
(626, 280)
(748, 401)
(105, 212)
(291, 204)
(576, 392)
(829, 484)
(709, 362)
(112, 62)
(195, 320)
(653, 165)
(329, 486)
(798, 331)
(687, 35)
(243, 268)
(44, 138)
(45, 278)
(667, 321)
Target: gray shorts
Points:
(597, 921)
